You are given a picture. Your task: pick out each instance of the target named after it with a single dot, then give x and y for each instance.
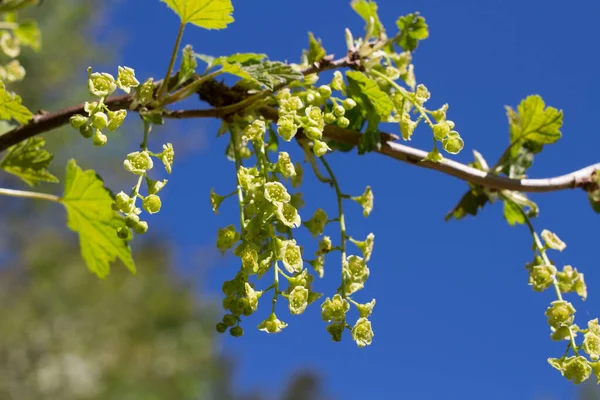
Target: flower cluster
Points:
(560, 315)
(99, 116)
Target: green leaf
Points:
(29, 34)
(533, 122)
(469, 204)
(90, 213)
(242, 58)
(29, 161)
(512, 213)
(267, 73)
(13, 5)
(365, 111)
(412, 29)
(188, 65)
(11, 107)
(380, 100)
(208, 14)
(316, 51)
(367, 9)
(206, 58)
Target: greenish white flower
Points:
(288, 215)
(100, 84)
(366, 246)
(366, 201)
(226, 238)
(290, 255)
(285, 165)
(298, 300)
(560, 313)
(316, 224)
(553, 241)
(272, 324)
(334, 309)
(362, 332)
(126, 79)
(138, 162)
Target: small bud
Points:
(329, 118)
(453, 143)
(221, 327)
(339, 111)
(124, 233)
(349, 104)
(229, 320)
(320, 148)
(77, 121)
(99, 139)
(131, 220)
(236, 331)
(141, 227)
(313, 133)
(99, 120)
(325, 91)
(152, 203)
(337, 83)
(343, 122)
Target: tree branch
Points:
(583, 178)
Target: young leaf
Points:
(412, 29)
(242, 58)
(316, 52)
(208, 14)
(29, 161)
(534, 122)
(90, 213)
(470, 204)
(11, 107)
(380, 100)
(367, 9)
(188, 65)
(29, 34)
(267, 73)
(512, 213)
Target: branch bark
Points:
(583, 178)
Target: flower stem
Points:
(542, 250)
(238, 165)
(29, 195)
(165, 81)
(340, 196)
(190, 89)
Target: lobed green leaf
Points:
(29, 161)
(11, 107)
(367, 9)
(208, 14)
(90, 213)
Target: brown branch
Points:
(582, 178)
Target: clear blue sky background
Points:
(454, 316)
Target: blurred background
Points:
(454, 316)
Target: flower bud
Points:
(115, 119)
(77, 121)
(141, 227)
(99, 139)
(99, 120)
(152, 203)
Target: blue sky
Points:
(454, 316)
